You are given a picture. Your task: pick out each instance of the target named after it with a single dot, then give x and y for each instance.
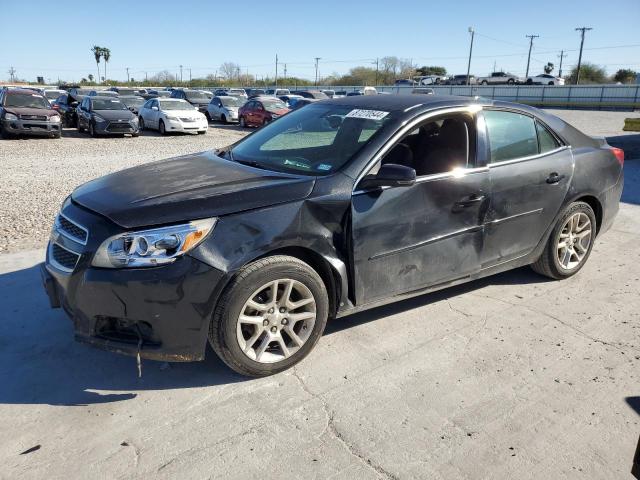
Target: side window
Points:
(546, 140)
(511, 135)
(436, 146)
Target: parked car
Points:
(52, 94)
(423, 91)
(462, 80)
(253, 247)
(355, 93)
(404, 82)
(545, 79)
(78, 92)
(340, 94)
(172, 115)
(500, 78)
(224, 108)
(106, 115)
(329, 93)
(155, 94)
(317, 94)
(276, 92)
(220, 92)
(289, 99)
(132, 102)
(260, 111)
(25, 112)
(66, 105)
(124, 91)
(237, 92)
(198, 98)
(103, 93)
(255, 92)
(431, 80)
(301, 102)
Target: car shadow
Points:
(631, 191)
(40, 363)
(630, 143)
(634, 404)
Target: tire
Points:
(202, 133)
(265, 122)
(92, 130)
(484, 82)
(141, 124)
(4, 135)
(550, 83)
(223, 119)
(135, 134)
(243, 122)
(80, 129)
(206, 114)
(549, 263)
(161, 128)
(57, 135)
(529, 81)
(511, 81)
(247, 285)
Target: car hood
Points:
(31, 111)
(190, 187)
(115, 114)
(190, 112)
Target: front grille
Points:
(119, 127)
(63, 258)
(71, 230)
(33, 117)
(187, 119)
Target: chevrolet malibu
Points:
(335, 208)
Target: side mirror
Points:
(155, 109)
(74, 104)
(390, 175)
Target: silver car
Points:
(224, 108)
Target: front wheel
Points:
(223, 119)
(484, 82)
(141, 124)
(243, 122)
(92, 130)
(270, 316)
(569, 244)
(162, 128)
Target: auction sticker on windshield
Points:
(367, 114)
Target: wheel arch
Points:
(595, 205)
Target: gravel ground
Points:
(39, 173)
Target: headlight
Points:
(153, 247)
(172, 118)
(54, 118)
(134, 120)
(10, 116)
(98, 118)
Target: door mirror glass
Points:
(154, 108)
(390, 175)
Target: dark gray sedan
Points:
(106, 116)
(334, 208)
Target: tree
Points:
(625, 75)
(106, 54)
(432, 70)
(548, 68)
(589, 73)
(90, 77)
(165, 76)
(229, 70)
(389, 65)
(97, 54)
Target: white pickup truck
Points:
(500, 78)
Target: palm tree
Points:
(106, 54)
(90, 77)
(97, 53)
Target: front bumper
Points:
(114, 128)
(166, 308)
(31, 127)
(186, 127)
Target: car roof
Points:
(399, 102)
(22, 91)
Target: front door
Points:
(408, 238)
(530, 175)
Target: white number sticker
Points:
(367, 114)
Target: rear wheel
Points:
(243, 123)
(162, 128)
(569, 244)
(484, 82)
(80, 129)
(551, 83)
(270, 316)
(92, 130)
(511, 81)
(141, 124)
(223, 118)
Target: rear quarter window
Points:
(511, 135)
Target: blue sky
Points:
(53, 39)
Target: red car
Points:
(260, 111)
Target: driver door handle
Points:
(554, 178)
(469, 201)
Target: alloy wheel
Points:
(276, 320)
(574, 241)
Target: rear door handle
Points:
(554, 178)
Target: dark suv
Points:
(198, 98)
(28, 113)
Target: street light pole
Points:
(317, 60)
(472, 32)
(377, 64)
(530, 37)
(276, 71)
(582, 30)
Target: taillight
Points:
(619, 153)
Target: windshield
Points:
(198, 96)
(132, 101)
(52, 94)
(236, 91)
(127, 91)
(231, 102)
(175, 105)
(20, 100)
(107, 104)
(273, 105)
(81, 91)
(316, 140)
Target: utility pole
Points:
(285, 72)
(530, 37)
(189, 77)
(127, 74)
(562, 55)
(317, 60)
(377, 62)
(494, 65)
(472, 32)
(582, 30)
(276, 71)
(12, 72)
(146, 77)
(180, 73)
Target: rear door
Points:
(530, 173)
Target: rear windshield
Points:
(198, 96)
(231, 101)
(22, 100)
(273, 105)
(52, 94)
(108, 104)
